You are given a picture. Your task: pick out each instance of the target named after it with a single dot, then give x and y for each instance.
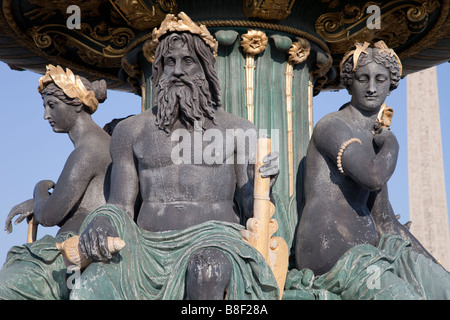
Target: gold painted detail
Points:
(253, 42)
(50, 8)
(141, 16)
(72, 255)
(70, 84)
(360, 48)
(268, 9)
(384, 117)
(266, 25)
(239, 24)
(182, 23)
(298, 53)
(310, 104)
(149, 47)
(261, 227)
(100, 45)
(399, 20)
(341, 151)
(23, 37)
(331, 3)
(96, 45)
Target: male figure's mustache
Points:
(193, 100)
(192, 83)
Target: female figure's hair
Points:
(381, 55)
(71, 89)
(99, 87)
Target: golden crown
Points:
(71, 85)
(182, 23)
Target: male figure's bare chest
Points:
(212, 146)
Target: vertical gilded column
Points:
(253, 43)
(298, 53)
(261, 227)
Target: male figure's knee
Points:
(208, 275)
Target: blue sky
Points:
(31, 151)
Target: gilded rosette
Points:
(299, 51)
(254, 42)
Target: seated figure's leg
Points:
(429, 278)
(385, 286)
(27, 277)
(98, 283)
(400, 273)
(28, 281)
(208, 275)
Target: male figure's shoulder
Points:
(132, 126)
(128, 131)
(228, 120)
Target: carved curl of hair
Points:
(196, 45)
(373, 54)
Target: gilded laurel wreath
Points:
(71, 85)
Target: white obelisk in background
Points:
(427, 197)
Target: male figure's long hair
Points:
(200, 95)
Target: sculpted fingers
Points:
(23, 210)
(103, 246)
(83, 245)
(94, 247)
(94, 240)
(8, 224)
(11, 215)
(270, 167)
(88, 245)
(270, 157)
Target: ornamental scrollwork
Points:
(268, 9)
(399, 20)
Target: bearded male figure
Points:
(184, 239)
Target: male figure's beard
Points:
(192, 98)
